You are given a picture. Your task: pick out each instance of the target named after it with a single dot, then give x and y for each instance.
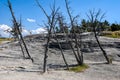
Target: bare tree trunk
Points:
(95, 19)
(61, 50)
(18, 31)
(68, 40)
(104, 52)
(46, 54)
(51, 23)
(78, 57)
(26, 47)
(21, 48)
(78, 52)
(82, 60)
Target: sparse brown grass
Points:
(6, 39)
(114, 34)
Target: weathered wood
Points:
(19, 35)
(94, 19)
(72, 19)
(51, 22)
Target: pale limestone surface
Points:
(14, 67)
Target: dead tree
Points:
(61, 23)
(95, 19)
(60, 47)
(51, 24)
(78, 55)
(18, 32)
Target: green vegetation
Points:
(115, 27)
(115, 34)
(79, 68)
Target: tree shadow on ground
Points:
(60, 66)
(24, 70)
(100, 63)
(10, 57)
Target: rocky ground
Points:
(14, 67)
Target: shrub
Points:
(115, 27)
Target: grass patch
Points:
(111, 36)
(79, 68)
(115, 34)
